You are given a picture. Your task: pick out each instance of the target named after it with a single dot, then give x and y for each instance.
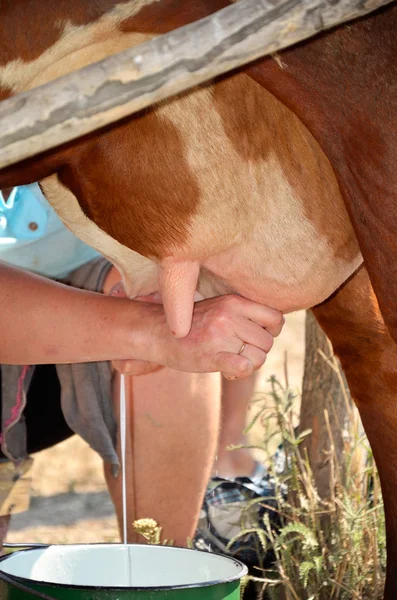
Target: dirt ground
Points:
(70, 502)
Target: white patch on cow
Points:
(77, 47)
(250, 230)
(139, 273)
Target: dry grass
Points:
(324, 550)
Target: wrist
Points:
(138, 331)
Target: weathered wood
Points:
(120, 85)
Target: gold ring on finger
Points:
(242, 348)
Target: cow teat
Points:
(178, 282)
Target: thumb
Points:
(232, 366)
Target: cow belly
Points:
(290, 252)
(268, 221)
(297, 279)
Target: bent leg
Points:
(354, 324)
(172, 434)
(236, 396)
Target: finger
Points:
(118, 290)
(233, 377)
(255, 355)
(112, 278)
(232, 366)
(253, 334)
(135, 367)
(269, 318)
(277, 327)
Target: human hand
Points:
(220, 327)
(229, 334)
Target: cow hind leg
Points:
(354, 324)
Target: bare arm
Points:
(42, 321)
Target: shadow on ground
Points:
(64, 509)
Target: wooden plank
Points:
(120, 85)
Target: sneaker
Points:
(229, 508)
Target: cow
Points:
(276, 182)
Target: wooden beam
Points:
(120, 85)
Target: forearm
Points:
(45, 322)
(42, 321)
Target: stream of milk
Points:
(123, 429)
